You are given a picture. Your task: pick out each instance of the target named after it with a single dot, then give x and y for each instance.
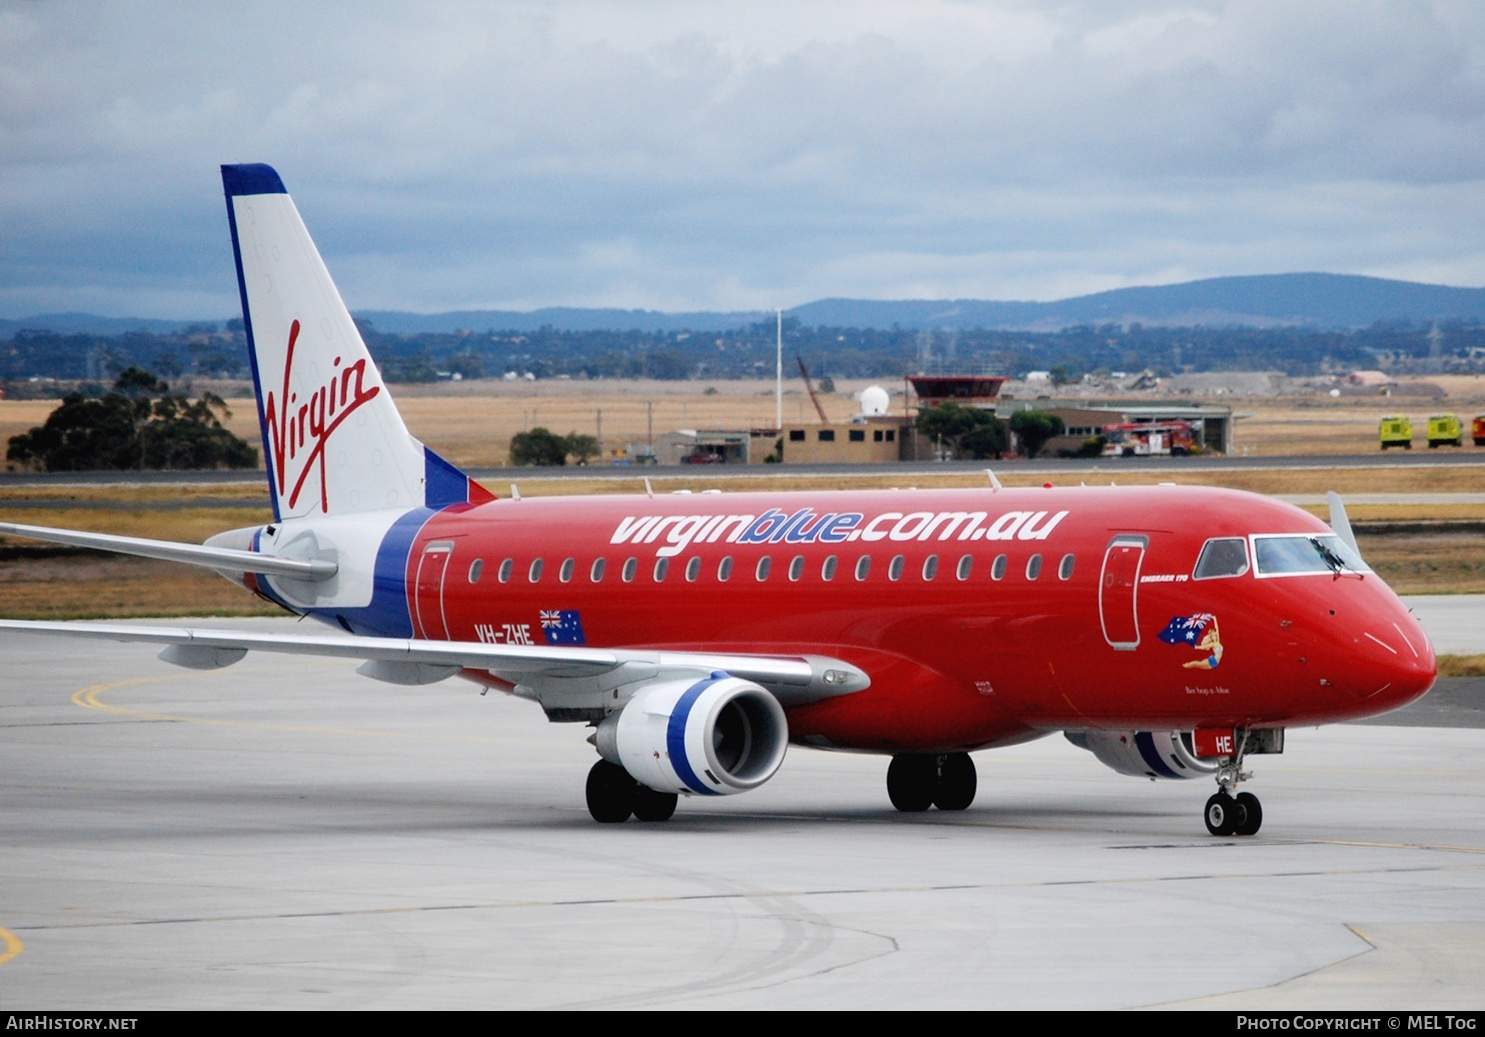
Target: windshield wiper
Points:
(1336, 563)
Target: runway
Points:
(285, 834)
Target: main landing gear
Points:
(1227, 814)
(943, 780)
(613, 796)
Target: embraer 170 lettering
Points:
(1172, 632)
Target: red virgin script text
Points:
(299, 434)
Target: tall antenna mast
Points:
(778, 377)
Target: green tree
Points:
(137, 425)
(540, 447)
(582, 446)
(969, 430)
(1034, 428)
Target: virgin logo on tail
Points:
(299, 433)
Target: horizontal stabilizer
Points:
(189, 554)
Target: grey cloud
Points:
(685, 155)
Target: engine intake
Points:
(1145, 754)
(717, 736)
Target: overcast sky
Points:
(688, 155)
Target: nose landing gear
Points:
(1227, 814)
(1234, 815)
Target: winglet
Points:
(1340, 522)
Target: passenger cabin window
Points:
(507, 567)
(534, 573)
(1304, 554)
(998, 567)
(631, 568)
(764, 564)
(863, 566)
(1222, 556)
(476, 567)
(596, 573)
(796, 568)
(895, 567)
(966, 564)
(693, 570)
(1033, 567)
(569, 566)
(930, 567)
(724, 569)
(1065, 568)
(662, 566)
(827, 570)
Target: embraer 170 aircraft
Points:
(1170, 631)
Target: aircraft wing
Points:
(575, 672)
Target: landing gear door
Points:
(428, 593)
(1118, 586)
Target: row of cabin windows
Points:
(855, 435)
(828, 568)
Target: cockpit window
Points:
(1222, 556)
(1304, 554)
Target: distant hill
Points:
(564, 318)
(1310, 300)
(1267, 300)
(92, 324)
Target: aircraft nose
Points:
(1398, 661)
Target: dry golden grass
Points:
(471, 422)
(93, 586)
(1462, 666)
(186, 525)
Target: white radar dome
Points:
(874, 400)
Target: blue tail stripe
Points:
(233, 177)
(252, 178)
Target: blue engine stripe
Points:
(1145, 743)
(675, 735)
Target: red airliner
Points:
(1173, 632)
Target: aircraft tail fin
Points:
(333, 441)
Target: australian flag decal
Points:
(562, 626)
(1185, 630)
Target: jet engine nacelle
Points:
(716, 736)
(1145, 754)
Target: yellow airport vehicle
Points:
(1396, 430)
(1444, 430)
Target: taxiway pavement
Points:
(285, 834)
